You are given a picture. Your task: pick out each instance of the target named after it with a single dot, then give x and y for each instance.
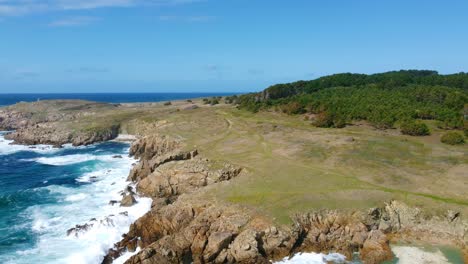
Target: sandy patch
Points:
(415, 255)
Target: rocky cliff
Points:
(182, 228)
(58, 122)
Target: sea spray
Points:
(313, 258)
(48, 191)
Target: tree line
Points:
(398, 98)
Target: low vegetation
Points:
(414, 128)
(212, 100)
(452, 138)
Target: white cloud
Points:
(24, 7)
(193, 19)
(73, 21)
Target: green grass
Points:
(293, 167)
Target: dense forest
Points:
(386, 100)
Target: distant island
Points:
(350, 163)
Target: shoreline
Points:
(175, 176)
(99, 221)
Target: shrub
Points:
(414, 128)
(189, 101)
(452, 138)
(323, 120)
(167, 103)
(231, 99)
(339, 123)
(214, 102)
(292, 108)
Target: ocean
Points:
(9, 99)
(45, 191)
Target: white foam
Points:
(93, 175)
(76, 197)
(78, 205)
(125, 256)
(71, 159)
(313, 258)
(6, 147)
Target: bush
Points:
(414, 128)
(231, 99)
(452, 138)
(167, 103)
(323, 120)
(189, 101)
(292, 108)
(214, 102)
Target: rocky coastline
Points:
(183, 228)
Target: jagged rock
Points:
(151, 146)
(172, 179)
(78, 228)
(245, 247)
(216, 242)
(146, 167)
(57, 135)
(112, 202)
(125, 213)
(128, 200)
(376, 248)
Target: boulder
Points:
(128, 200)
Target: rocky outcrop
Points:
(54, 134)
(58, 122)
(174, 178)
(198, 232)
(154, 151)
(11, 120)
(181, 228)
(410, 223)
(155, 145)
(325, 231)
(128, 200)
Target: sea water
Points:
(45, 191)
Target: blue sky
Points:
(220, 45)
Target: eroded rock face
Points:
(174, 178)
(154, 151)
(200, 232)
(182, 229)
(407, 222)
(54, 134)
(128, 200)
(10, 120)
(345, 233)
(156, 145)
(55, 122)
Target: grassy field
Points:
(292, 166)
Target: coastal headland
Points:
(233, 186)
